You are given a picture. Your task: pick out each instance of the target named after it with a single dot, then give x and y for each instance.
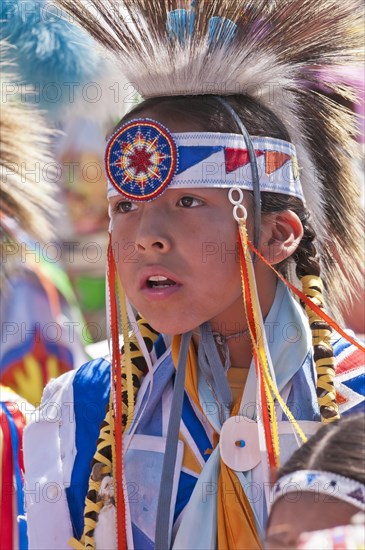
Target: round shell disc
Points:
(239, 443)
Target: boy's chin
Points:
(170, 327)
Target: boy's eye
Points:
(123, 207)
(189, 202)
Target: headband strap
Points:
(325, 483)
(143, 158)
(254, 170)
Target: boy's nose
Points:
(153, 232)
(148, 242)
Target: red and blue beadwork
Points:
(141, 159)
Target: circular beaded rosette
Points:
(141, 159)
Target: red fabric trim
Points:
(265, 411)
(7, 487)
(20, 424)
(118, 432)
(353, 361)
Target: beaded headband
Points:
(143, 158)
(325, 483)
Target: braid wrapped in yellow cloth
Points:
(323, 352)
(102, 463)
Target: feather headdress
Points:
(54, 59)
(25, 163)
(269, 50)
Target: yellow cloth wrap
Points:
(106, 436)
(128, 367)
(237, 377)
(313, 288)
(76, 544)
(105, 439)
(236, 522)
(236, 525)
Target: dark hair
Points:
(206, 112)
(338, 447)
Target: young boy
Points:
(220, 355)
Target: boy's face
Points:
(176, 255)
(176, 258)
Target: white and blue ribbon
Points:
(319, 482)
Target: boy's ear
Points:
(281, 233)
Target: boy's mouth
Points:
(159, 281)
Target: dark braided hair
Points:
(338, 448)
(102, 462)
(307, 265)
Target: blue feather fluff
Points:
(52, 55)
